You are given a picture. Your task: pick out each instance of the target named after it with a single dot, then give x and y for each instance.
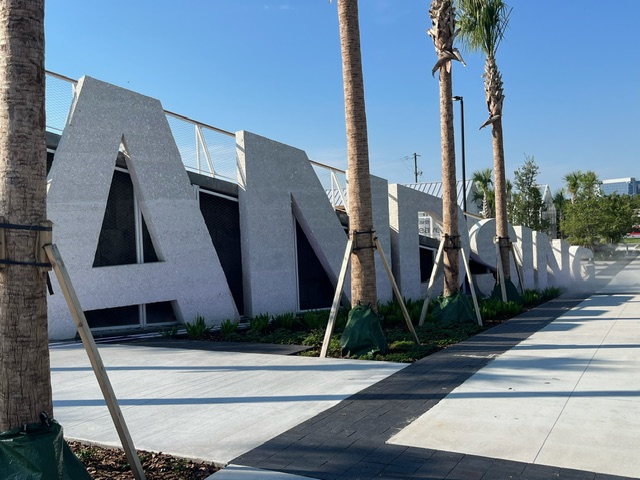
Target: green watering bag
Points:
(363, 333)
(38, 451)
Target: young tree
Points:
(528, 205)
(482, 26)
(443, 33)
(363, 270)
(484, 195)
(25, 383)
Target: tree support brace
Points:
(360, 242)
(44, 232)
(451, 242)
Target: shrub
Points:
(284, 320)
(229, 326)
(550, 293)
(531, 298)
(259, 323)
(496, 309)
(341, 319)
(170, 332)
(315, 320)
(197, 329)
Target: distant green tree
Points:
(572, 180)
(527, 202)
(582, 185)
(593, 218)
(619, 217)
(581, 222)
(484, 196)
(560, 202)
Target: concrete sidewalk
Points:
(208, 405)
(553, 393)
(568, 396)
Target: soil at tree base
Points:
(111, 464)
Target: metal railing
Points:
(334, 182)
(204, 149)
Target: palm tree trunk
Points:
(502, 227)
(363, 271)
(449, 198)
(25, 384)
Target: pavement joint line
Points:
(571, 395)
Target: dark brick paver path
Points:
(347, 441)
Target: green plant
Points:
(341, 319)
(259, 323)
(496, 309)
(229, 326)
(169, 332)
(391, 313)
(86, 454)
(315, 319)
(550, 293)
(284, 320)
(531, 298)
(198, 329)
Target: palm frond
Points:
(482, 24)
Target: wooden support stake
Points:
(96, 361)
(396, 290)
(434, 273)
(503, 288)
(471, 285)
(336, 299)
(3, 245)
(45, 237)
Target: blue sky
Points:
(273, 67)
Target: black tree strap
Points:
(35, 228)
(13, 226)
(15, 262)
(359, 246)
(504, 242)
(451, 242)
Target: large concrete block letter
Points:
(546, 269)
(277, 184)
(524, 248)
(188, 272)
(404, 205)
(481, 238)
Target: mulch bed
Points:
(111, 463)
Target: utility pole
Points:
(415, 166)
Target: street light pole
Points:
(464, 175)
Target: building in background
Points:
(621, 186)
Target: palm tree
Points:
(559, 201)
(25, 384)
(482, 180)
(590, 184)
(573, 180)
(482, 25)
(363, 270)
(443, 33)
